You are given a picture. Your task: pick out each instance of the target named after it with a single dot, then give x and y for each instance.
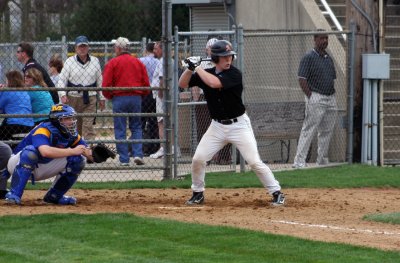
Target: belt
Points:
(227, 121)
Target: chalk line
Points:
(338, 228)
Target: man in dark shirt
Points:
(222, 86)
(25, 55)
(317, 78)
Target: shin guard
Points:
(55, 195)
(23, 171)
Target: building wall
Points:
(272, 14)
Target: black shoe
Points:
(278, 198)
(197, 199)
(3, 194)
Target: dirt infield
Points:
(333, 215)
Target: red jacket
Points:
(125, 71)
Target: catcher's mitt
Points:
(101, 153)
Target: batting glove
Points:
(192, 62)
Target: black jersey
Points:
(226, 102)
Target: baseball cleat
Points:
(13, 199)
(197, 199)
(64, 200)
(278, 198)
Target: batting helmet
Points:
(59, 112)
(221, 48)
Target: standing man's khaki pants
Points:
(85, 124)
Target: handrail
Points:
(332, 16)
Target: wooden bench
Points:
(277, 122)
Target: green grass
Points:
(346, 176)
(128, 238)
(392, 218)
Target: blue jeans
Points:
(128, 104)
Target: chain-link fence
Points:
(47, 32)
(275, 100)
(272, 96)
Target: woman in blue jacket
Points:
(15, 102)
(41, 100)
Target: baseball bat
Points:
(201, 59)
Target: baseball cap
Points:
(81, 40)
(122, 42)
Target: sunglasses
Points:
(19, 51)
(28, 77)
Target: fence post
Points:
(175, 102)
(240, 63)
(167, 84)
(350, 117)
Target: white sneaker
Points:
(124, 164)
(158, 154)
(298, 165)
(138, 161)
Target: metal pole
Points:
(350, 116)
(175, 109)
(374, 122)
(365, 123)
(167, 84)
(240, 63)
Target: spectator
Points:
(316, 77)
(55, 66)
(82, 70)
(40, 100)
(51, 149)
(126, 71)
(157, 81)
(25, 55)
(149, 124)
(5, 153)
(15, 102)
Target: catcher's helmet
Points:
(221, 48)
(60, 111)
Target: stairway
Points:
(338, 8)
(391, 90)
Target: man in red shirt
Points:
(126, 71)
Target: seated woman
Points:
(41, 100)
(15, 102)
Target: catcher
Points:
(52, 148)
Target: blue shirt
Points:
(41, 103)
(16, 102)
(47, 134)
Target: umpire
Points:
(222, 86)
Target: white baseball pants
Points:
(241, 135)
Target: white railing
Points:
(328, 12)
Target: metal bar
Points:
(303, 33)
(333, 17)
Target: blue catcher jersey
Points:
(47, 134)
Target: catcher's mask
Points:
(64, 118)
(221, 48)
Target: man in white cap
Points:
(82, 70)
(126, 71)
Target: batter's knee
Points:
(258, 166)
